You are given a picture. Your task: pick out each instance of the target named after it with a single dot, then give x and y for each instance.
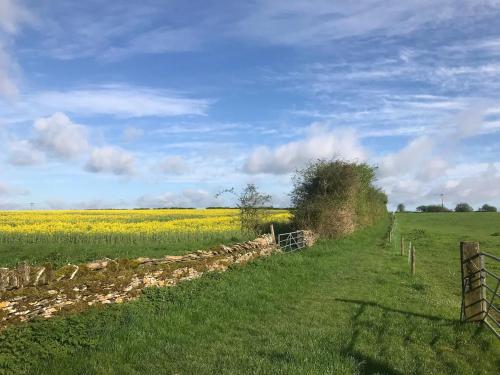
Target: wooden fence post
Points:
(473, 282)
(272, 233)
(402, 245)
(391, 230)
(412, 260)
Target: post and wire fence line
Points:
(404, 248)
(480, 280)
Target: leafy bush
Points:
(487, 208)
(432, 208)
(336, 197)
(463, 207)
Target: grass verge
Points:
(343, 306)
(63, 253)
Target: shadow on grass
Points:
(369, 365)
(366, 363)
(390, 309)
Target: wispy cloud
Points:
(159, 27)
(197, 198)
(7, 189)
(312, 23)
(9, 71)
(13, 15)
(121, 101)
(131, 134)
(25, 153)
(156, 41)
(172, 165)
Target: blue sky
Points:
(165, 103)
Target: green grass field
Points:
(60, 254)
(443, 232)
(446, 230)
(343, 306)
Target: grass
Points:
(343, 306)
(64, 253)
(445, 230)
(432, 232)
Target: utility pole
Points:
(442, 200)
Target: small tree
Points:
(251, 204)
(488, 208)
(401, 208)
(463, 207)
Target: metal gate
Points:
(291, 241)
(480, 288)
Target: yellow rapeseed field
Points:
(95, 226)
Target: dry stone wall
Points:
(28, 292)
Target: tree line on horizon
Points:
(460, 207)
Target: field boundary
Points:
(107, 281)
(478, 298)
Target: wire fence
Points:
(479, 274)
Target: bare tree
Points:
(252, 205)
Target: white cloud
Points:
(3, 189)
(429, 166)
(59, 204)
(12, 15)
(161, 40)
(8, 73)
(6, 206)
(173, 165)
(425, 156)
(24, 153)
(131, 134)
(110, 159)
(187, 198)
(150, 27)
(433, 169)
(321, 143)
(486, 45)
(474, 183)
(59, 136)
(6, 190)
(121, 101)
(409, 159)
(314, 22)
(481, 185)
